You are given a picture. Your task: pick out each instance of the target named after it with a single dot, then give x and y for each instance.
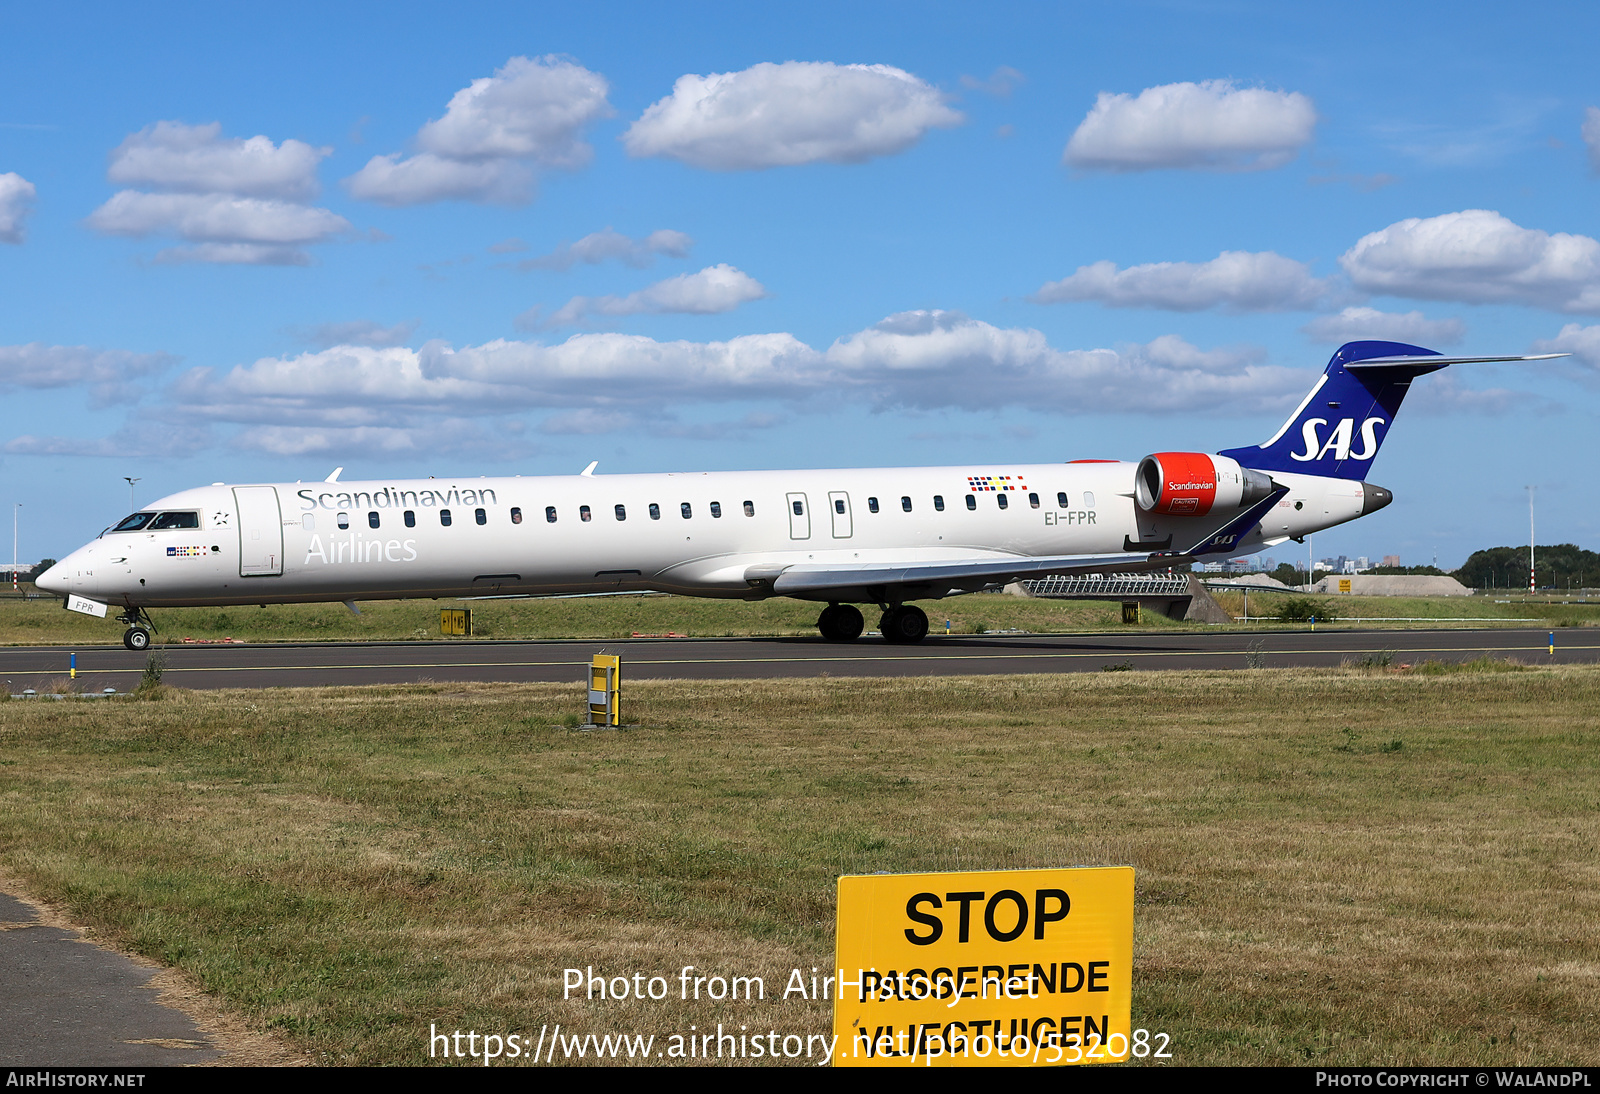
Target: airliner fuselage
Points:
(883, 536)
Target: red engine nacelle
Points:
(1191, 484)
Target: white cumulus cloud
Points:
(597, 247)
(1211, 125)
(1361, 323)
(495, 133)
(16, 202)
(197, 159)
(1237, 281)
(781, 115)
(605, 382)
(1478, 257)
(112, 376)
(1582, 342)
(237, 201)
(144, 438)
(715, 289)
(945, 359)
(356, 332)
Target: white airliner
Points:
(883, 536)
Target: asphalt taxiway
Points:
(44, 668)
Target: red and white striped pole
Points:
(1531, 586)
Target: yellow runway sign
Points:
(999, 968)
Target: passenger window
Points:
(1061, 499)
(344, 520)
(583, 513)
(749, 508)
(905, 503)
(1088, 499)
(622, 512)
(686, 511)
(938, 502)
(309, 522)
(1001, 498)
(972, 502)
(655, 511)
(372, 519)
(411, 518)
(516, 514)
(838, 505)
(478, 515)
(444, 517)
(872, 505)
(1033, 500)
(550, 513)
(799, 508)
(716, 509)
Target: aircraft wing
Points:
(931, 580)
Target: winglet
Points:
(335, 476)
(589, 471)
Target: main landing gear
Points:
(137, 636)
(902, 624)
(840, 623)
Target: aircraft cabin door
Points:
(260, 531)
(839, 502)
(799, 517)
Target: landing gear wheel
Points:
(840, 623)
(905, 626)
(136, 639)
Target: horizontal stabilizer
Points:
(1437, 361)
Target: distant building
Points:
(1391, 560)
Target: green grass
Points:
(42, 621)
(1360, 866)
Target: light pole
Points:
(1530, 541)
(14, 586)
(130, 483)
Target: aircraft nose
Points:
(53, 580)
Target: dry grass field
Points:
(1356, 866)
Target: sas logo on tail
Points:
(1338, 441)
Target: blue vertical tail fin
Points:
(1337, 430)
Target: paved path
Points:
(68, 1003)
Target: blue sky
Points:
(256, 243)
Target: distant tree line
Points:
(28, 574)
(1558, 565)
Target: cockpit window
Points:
(134, 523)
(175, 520)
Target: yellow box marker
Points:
(1016, 968)
(605, 690)
(455, 621)
(1344, 584)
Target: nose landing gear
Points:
(137, 636)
